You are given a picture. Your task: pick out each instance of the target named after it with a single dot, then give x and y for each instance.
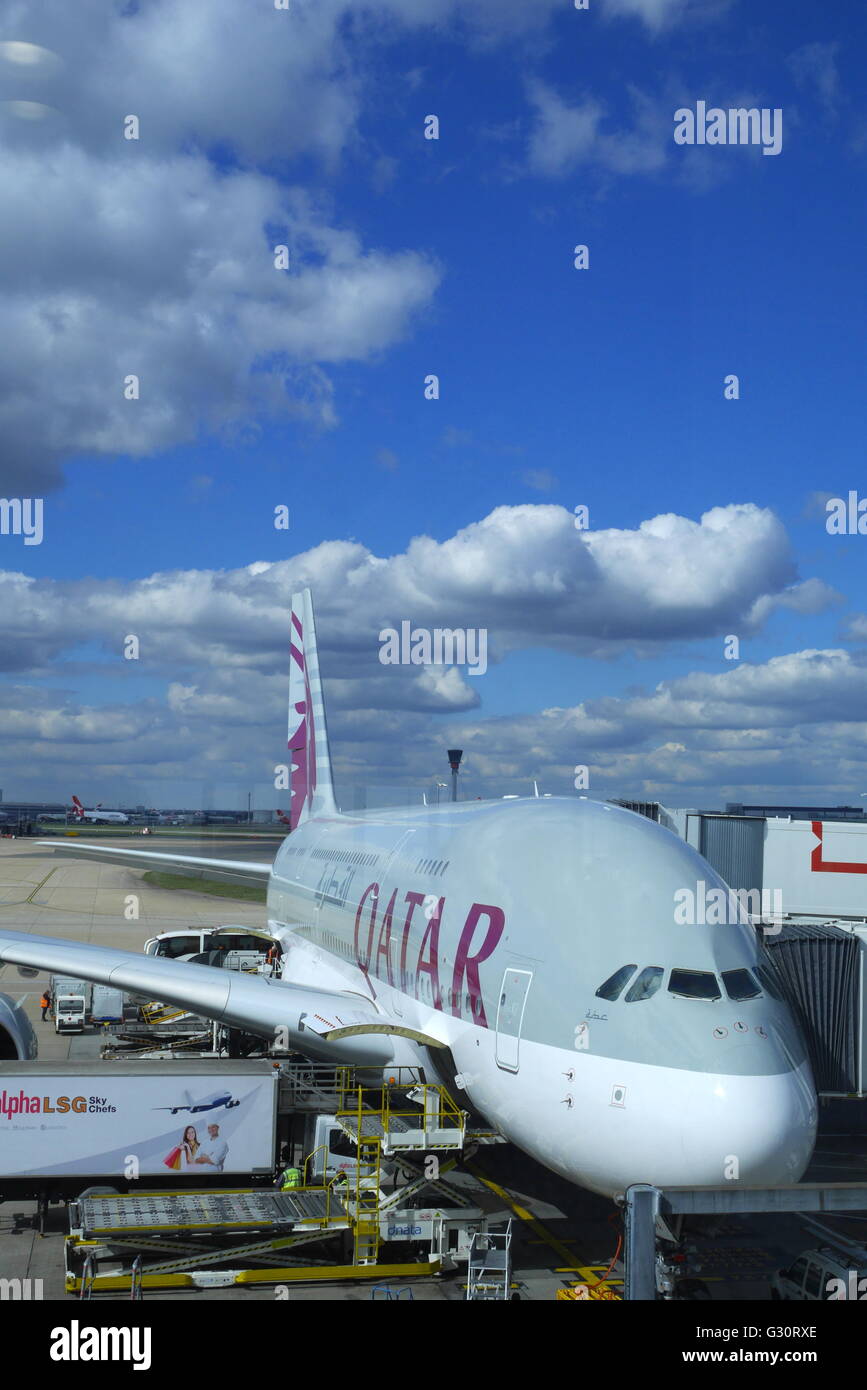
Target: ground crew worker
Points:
(45, 1004)
(291, 1178)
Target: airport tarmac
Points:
(85, 901)
(564, 1229)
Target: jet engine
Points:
(17, 1036)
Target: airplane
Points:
(283, 819)
(98, 815)
(525, 954)
(211, 1102)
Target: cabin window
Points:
(694, 984)
(739, 984)
(179, 946)
(615, 983)
(813, 1282)
(797, 1272)
(235, 941)
(646, 985)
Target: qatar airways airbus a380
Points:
(525, 953)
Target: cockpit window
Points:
(694, 984)
(614, 984)
(647, 984)
(739, 984)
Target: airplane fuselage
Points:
(490, 927)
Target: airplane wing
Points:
(329, 1024)
(225, 870)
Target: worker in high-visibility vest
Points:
(45, 1003)
(291, 1178)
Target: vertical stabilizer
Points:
(311, 785)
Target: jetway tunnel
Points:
(821, 971)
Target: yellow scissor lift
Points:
(425, 1119)
(190, 1231)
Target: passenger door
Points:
(510, 1014)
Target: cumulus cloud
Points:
(855, 627)
(153, 256)
(162, 269)
(524, 573)
(215, 643)
(564, 135)
(773, 730)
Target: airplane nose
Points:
(747, 1128)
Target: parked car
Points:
(818, 1276)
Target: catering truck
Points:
(135, 1124)
(70, 1003)
(77, 1003)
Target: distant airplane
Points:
(283, 818)
(196, 1107)
(528, 955)
(98, 815)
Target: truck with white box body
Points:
(70, 1003)
(68, 1126)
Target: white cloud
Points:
(215, 643)
(662, 14)
(566, 135)
(163, 269)
(754, 732)
(524, 573)
(153, 256)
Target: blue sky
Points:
(558, 386)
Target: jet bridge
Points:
(822, 969)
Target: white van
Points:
(819, 1276)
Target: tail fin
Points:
(312, 785)
(78, 808)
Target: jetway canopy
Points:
(822, 970)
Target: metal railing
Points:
(431, 1106)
